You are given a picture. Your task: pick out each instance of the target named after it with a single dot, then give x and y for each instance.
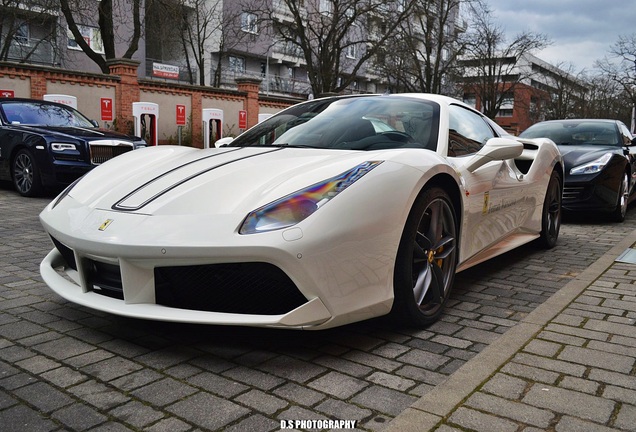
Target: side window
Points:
(468, 132)
(626, 135)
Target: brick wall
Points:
(128, 88)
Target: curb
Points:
(438, 404)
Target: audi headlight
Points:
(592, 167)
(299, 205)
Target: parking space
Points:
(65, 367)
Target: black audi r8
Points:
(49, 145)
(600, 163)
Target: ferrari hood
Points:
(180, 180)
(574, 155)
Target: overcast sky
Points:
(581, 31)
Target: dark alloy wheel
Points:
(618, 215)
(25, 174)
(551, 214)
(426, 260)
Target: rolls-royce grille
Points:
(103, 153)
(244, 288)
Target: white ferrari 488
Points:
(335, 210)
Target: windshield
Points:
(357, 123)
(579, 132)
(43, 114)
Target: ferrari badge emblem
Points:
(105, 225)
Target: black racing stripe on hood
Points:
(117, 206)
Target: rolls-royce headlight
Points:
(592, 167)
(299, 205)
(60, 147)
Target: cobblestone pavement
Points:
(65, 367)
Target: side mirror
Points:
(223, 142)
(495, 149)
(95, 123)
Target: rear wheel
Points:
(25, 174)
(618, 215)
(551, 214)
(426, 260)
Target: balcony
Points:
(272, 85)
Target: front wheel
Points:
(426, 260)
(618, 215)
(551, 213)
(25, 173)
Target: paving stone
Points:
(383, 400)
(614, 378)
(254, 377)
(571, 424)
(261, 401)
(111, 368)
(619, 394)
(217, 384)
(549, 364)
(512, 410)
(208, 411)
(43, 396)
(626, 418)
(300, 395)
(169, 425)
(564, 401)
(579, 384)
(79, 417)
(99, 395)
(340, 410)
(292, 369)
(338, 385)
(477, 421)
(344, 366)
(599, 359)
(21, 418)
(505, 386)
(542, 348)
(391, 381)
(137, 414)
(255, 422)
(164, 392)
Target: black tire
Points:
(426, 260)
(618, 215)
(25, 174)
(552, 212)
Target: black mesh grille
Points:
(244, 288)
(104, 278)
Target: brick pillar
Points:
(126, 92)
(250, 86)
(38, 85)
(197, 119)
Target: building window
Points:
(249, 22)
(91, 35)
(507, 106)
(326, 7)
(22, 35)
(237, 64)
(351, 51)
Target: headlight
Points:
(297, 206)
(60, 147)
(592, 167)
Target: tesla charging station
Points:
(212, 126)
(146, 115)
(61, 98)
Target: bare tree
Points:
(567, 92)
(336, 38)
(422, 56)
(111, 15)
(27, 30)
(492, 63)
